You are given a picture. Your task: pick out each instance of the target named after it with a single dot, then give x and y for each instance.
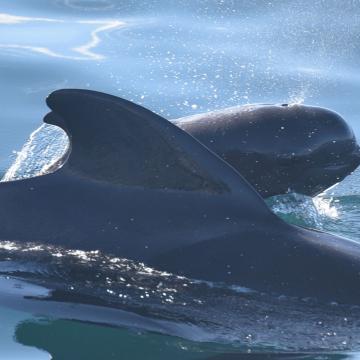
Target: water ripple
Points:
(86, 50)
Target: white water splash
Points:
(326, 206)
(44, 147)
(303, 210)
(298, 98)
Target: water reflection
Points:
(9, 348)
(85, 5)
(85, 50)
(91, 342)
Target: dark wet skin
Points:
(280, 148)
(136, 186)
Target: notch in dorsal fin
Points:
(117, 141)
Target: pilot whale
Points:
(134, 185)
(280, 148)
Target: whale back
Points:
(116, 141)
(136, 186)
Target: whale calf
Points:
(134, 185)
(280, 148)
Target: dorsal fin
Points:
(117, 141)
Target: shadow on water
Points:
(88, 341)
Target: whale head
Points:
(319, 150)
(278, 148)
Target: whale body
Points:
(134, 185)
(280, 148)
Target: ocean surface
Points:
(178, 58)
